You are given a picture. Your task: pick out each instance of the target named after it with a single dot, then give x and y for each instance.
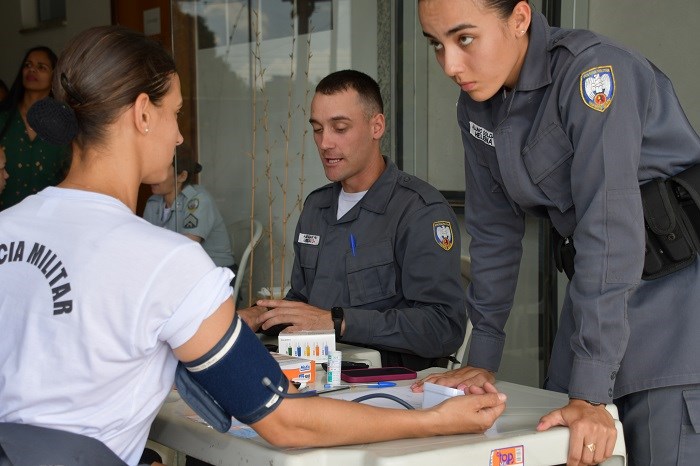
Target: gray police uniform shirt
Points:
(196, 215)
(392, 262)
(588, 121)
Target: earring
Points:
(147, 130)
(522, 33)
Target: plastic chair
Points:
(25, 445)
(242, 244)
(466, 272)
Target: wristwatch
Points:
(337, 314)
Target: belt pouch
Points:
(564, 253)
(671, 242)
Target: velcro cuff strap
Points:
(231, 374)
(200, 401)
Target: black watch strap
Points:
(337, 314)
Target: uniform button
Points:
(610, 393)
(407, 178)
(613, 374)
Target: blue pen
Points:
(352, 243)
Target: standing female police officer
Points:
(567, 125)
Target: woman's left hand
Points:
(592, 432)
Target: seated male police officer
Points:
(101, 310)
(378, 248)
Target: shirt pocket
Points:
(308, 258)
(548, 161)
(689, 445)
(371, 273)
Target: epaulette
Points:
(574, 40)
(322, 195)
(426, 191)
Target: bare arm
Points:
(295, 422)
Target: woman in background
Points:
(4, 175)
(34, 163)
(187, 208)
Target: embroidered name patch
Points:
(598, 87)
(442, 231)
(482, 134)
(305, 238)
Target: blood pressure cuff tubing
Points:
(227, 380)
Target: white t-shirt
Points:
(92, 299)
(347, 201)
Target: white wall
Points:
(226, 123)
(666, 32)
(80, 14)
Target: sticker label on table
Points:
(511, 456)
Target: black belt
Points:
(672, 226)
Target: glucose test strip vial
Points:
(335, 358)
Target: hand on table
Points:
(592, 432)
(250, 316)
(471, 414)
(462, 378)
(300, 315)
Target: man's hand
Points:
(462, 378)
(300, 315)
(250, 316)
(592, 432)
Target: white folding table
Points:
(514, 434)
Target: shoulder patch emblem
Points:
(193, 204)
(598, 87)
(190, 221)
(442, 231)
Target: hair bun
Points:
(53, 121)
(197, 168)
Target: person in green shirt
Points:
(34, 163)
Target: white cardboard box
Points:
(308, 344)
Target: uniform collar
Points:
(376, 199)
(188, 191)
(378, 196)
(536, 70)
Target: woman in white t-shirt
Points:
(97, 305)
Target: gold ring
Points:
(591, 447)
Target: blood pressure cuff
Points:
(227, 381)
(672, 222)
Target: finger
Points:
(473, 389)
(490, 388)
(577, 447)
(490, 400)
(417, 387)
(550, 420)
(605, 448)
(272, 302)
(272, 321)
